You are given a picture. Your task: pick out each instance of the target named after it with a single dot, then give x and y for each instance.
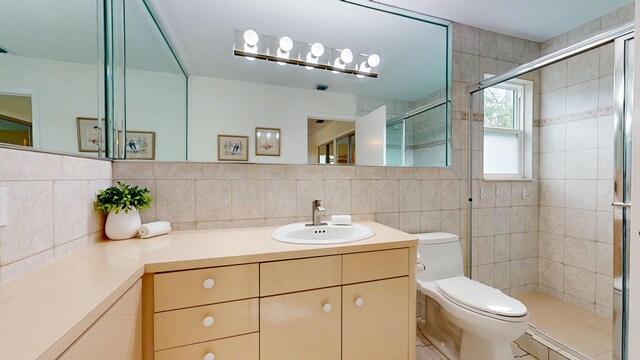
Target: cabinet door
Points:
(304, 325)
(117, 334)
(375, 320)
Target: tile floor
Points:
(578, 329)
(426, 351)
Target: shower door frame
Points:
(622, 32)
(623, 123)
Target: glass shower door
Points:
(623, 111)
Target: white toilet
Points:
(464, 317)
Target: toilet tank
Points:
(441, 255)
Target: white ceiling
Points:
(201, 31)
(537, 20)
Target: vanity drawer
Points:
(204, 323)
(182, 289)
(245, 347)
(375, 265)
(296, 275)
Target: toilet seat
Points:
(480, 298)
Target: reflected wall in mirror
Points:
(156, 87)
(50, 71)
(230, 94)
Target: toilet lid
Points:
(480, 297)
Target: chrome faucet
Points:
(316, 209)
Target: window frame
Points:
(522, 128)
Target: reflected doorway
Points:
(331, 141)
(16, 120)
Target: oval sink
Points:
(299, 233)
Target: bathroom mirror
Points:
(51, 79)
(231, 93)
(155, 92)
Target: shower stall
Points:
(417, 138)
(567, 220)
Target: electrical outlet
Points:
(4, 208)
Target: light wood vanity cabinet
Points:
(117, 334)
(350, 307)
(206, 313)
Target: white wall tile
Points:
(363, 197)
(581, 194)
(552, 220)
(582, 97)
(409, 195)
(70, 212)
(580, 253)
(30, 220)
(583, 67)
(582, 164)
(552, 193)
(551, 246)
(580, 283)
(337, 195)
(176, 200)
(280, 197)
(582, 134)
(580, 224)
(550, 273)
(213, 200)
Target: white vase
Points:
(122, 225)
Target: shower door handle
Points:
(621, 204)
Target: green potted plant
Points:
(121, 203)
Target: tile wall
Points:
(218, 196)
(505, 243)
(576, 171)
(51, 209)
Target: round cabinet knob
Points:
(209, 356)
(208, 321)
(208, 284)
(359, 302)
(327, 307)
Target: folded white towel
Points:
(340, 219)
(154, 229)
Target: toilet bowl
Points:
(485, 320)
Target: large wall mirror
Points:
(255, 96)
(51, 75)
(155, 91)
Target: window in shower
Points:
(508, 114)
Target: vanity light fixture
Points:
(284, 50)
(317, 50)
(251, 39)
(286, 44)
(372, 61)
(341, 62)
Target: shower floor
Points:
(571, 326)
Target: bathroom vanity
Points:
(222, 294)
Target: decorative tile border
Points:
(590, 114)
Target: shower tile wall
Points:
(576, 171)
(426, 145)
(505, 243)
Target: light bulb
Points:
(373, 60)
(286, 44)
(346, 56)
(317, 49)
(251, 37)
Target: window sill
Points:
(492, 179)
